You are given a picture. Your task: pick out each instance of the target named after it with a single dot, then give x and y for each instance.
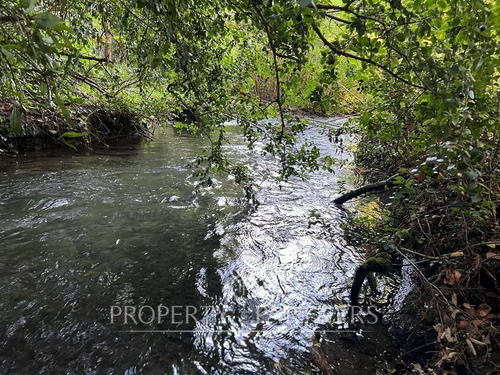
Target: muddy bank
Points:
(86, 129)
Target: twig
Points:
(418, 254)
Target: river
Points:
(86, 240)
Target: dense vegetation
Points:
(422, 75)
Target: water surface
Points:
(133, 227)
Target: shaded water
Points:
(80, 235)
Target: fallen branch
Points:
(366, 189)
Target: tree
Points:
(429, 70)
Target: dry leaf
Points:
(439, 328)
(469, 310)
(450, 337)
(444, 333)
(452, 276)
(457, 254)
(492, 245)
(448, 355)
(417, 369)
(410, 125)
(477, 342)
(484, 310)
(454, 300)
(463, 324)
(471, 347)
(492, 255)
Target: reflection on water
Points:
(82, 234)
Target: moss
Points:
(380, 262)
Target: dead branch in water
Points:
(390, 182)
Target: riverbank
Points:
(449, 322)
(86, 128)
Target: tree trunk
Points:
(108, 48)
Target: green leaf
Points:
(16, 126)
(68, 144)
(427, 170)
(64, 110)
(476, 198)
(442, 4)
(73, 135)
(304, 3)
(28, 5)
(12, 46)
(64, 27)
(454, 69)
(471, 175)
(46, 20)
(7, 54)
(31, 6)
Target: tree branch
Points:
(346, 9)
(338, 19)
(338, 51)
(287, 57)
(390, 182)
(9, 19)
(89, 82)
(91, 58)
(276, 73)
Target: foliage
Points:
(423, 74)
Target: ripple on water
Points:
(80, 235)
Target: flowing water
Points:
(86, 239)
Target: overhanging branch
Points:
(390, 182)
(340, 52)
(338, 19)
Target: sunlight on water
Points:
(82, 234)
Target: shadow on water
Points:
(85, 238)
